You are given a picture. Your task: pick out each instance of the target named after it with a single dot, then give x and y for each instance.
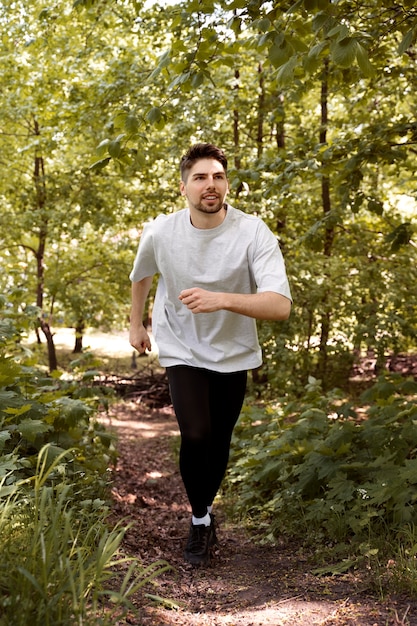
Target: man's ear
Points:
(182, 188)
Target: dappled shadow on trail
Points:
(246, 584)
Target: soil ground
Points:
(246, 584)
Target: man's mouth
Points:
(210, 197)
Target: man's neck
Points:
(204, 221)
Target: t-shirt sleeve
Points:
(145, 261)
(268, 264)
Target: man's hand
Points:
(266, 305)
(201, 301)
(138, 336)
(139, 339)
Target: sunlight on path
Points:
(138, 428)
(286, 613)
(104, 344)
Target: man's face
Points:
(206, 186)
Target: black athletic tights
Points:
(207, 405)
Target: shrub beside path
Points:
(247, 584)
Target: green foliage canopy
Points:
(313, 101)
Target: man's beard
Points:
(215, 208)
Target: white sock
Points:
(206, 520)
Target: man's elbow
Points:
(283, 309)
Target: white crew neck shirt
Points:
(241, 255)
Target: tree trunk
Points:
(79, 333)
(40, 201)
(52, 359)
(261, 113)
(329, 231)
(280, 130)
(236, 138)
(281, 123)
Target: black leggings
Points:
(207, 405)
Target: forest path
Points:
(246, 584)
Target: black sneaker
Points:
(200, 539)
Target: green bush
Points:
(318, 464)
(60, 563)
(37, 409)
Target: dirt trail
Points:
(247, 584)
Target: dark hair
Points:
(201, 151)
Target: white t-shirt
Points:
(241, 255)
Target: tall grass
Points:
(60, 563)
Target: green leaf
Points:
(319, 21)
(400, 236)
(7, 464)
(264, 24)
(73, 411)
(314, 57)
(114, 147)
(280, 51)
(409, 387)
(294, 7)
(166, 602)
(406, 41)
(131, 124)
(97, 166)
(235, 24)
(310, 5)
(154, 115)
(344, 52)
(338, 32)
(197, 79)
(102, 147)
(363, 60)
(165, 59)
(8, 373)
(53, 452)
(4, 436)
(8, 399)
(29, 429)
(238, 4)
(375, 206)
(18, 411)
(409, 473)
(336, 568)
(286, 72)
(43, 15)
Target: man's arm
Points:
(266, 305)
(138, 336)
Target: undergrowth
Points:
(61, 562)
(330, 473)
